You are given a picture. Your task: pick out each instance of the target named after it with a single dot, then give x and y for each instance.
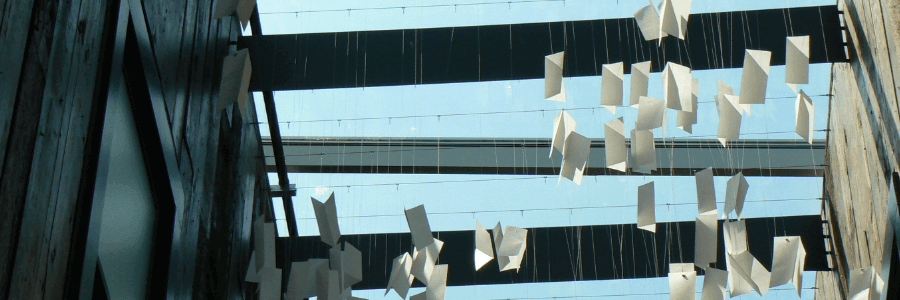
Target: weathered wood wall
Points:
(47, 86)
(864, 134)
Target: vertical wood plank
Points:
(15, 17)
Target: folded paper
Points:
(302, 280)
(706, 191)
(563, 125)
(735, 192)
(270, 283)
(640, 79)
(575, 157)
(502, 261)
(554, 87)
(328, 284)
(682, 282)
(651, 112)
(866, 284)
(437, 286)
(788, 261)
(235, 81)
(252, 273)
(805, 117)
(326, 218)
(669, 23)
(714, 283)
(705, 241)
(677, 87)
(755, 76)
(348, 263)
(259, 243)
(745, 272)
(616, 150)
(401, 278)
(735, 235)
(725, 89)
(729, 119)
(424, 261)
(643, 151)
(419, 227)
(484, 251)
(513, 246)
(797, 62)
(611, 85)
(646, 215)
(648, 21)
(243, 8)
(687, 119)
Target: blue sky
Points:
(456, 206)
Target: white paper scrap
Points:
(714, 284)
(514, 243)
(328, 284)
(235, 81)
(575, 157)
(424, 261)
(648, 21)
(797, 60)
(650, 113)
(502, 261)
(735, 233)
(554, 87)
(252, 274)
(640, 78)
(729, 119)
(706, 191)
(788, 261)
(865, 284)
(612, 82)
(668, 20)
(259, 243)
(705, 240)
(400, 279)
(643, 151)
(682, 285)
(646, 214)
(805, 117)
(326, 218)
(484, 251)
(270, 283)
(348, 263)
(419, 227)
(735, 192)
(563, 125)
(616, 149)
(677, 87)
(302, 280)
(755, 76)
(687, 119)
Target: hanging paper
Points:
(705, 240)
(554, 87)
(563, 125)
(302, 281)
(797, 60)
(729, 119)
(687, 119)
(484, 252)
(418, 226)
(640, 78)
(805, 117)
(651, 112)
(682, 282)
(755, 76)
(648, 21)
(575, 157)
(616, 150)
(788, 261)
(646, 215)
(677, 87)
(326, 218)
(706, 191)
(735, 192)
(643, 151)
(714, 284)
(612, 80)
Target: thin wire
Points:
(508, 2)
(629, 295)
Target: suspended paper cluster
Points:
(421, 264)
(670, 18)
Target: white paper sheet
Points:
(650, 113)
(484, 251)
(302, 280)
(578, 149)
(612, 83)
(648, 21)
(502, 261)
(643, 151)
(328, 284)
(706, 191)
(437, 285)
(419, 227)
(640, 79)
(616, 149)
(401, 278)
(563, 125)
(683, 10)
(326, 218)
(725, 89)
(252, 274)
(682, 285)
(348, 263)
(714, 284)
(259, 242)
(687, 119)
(735, 192)
(745, 270)
(235, 81)
(735, 235)
(243, 9)
(705, 240)
(677, 87)
(865, 284)
(668, 20)
(797, 60)
(554, 87)
(729, 119)
(268, 246)
(805, 117)
(424, 261)
(514, 242)
(755, 76)
(646, 211)
(270, 283)
(788, 260)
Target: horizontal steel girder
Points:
(554, 254)
(516, 51)
(531, 156)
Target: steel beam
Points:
(553, 254)
(516, 51)
(530, 156)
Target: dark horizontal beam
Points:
(554, 254)
(530, 156)
(275, 191)
(514, 52)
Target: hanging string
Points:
(403, 8)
